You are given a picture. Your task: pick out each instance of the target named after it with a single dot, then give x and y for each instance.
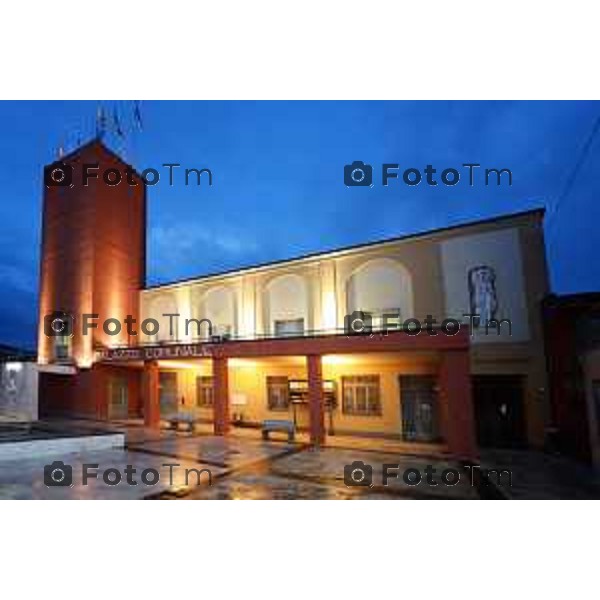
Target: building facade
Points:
(279, 341)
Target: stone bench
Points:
(282, 425)
(186, 418)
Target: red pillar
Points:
(221, 395)
(456, 404)
(315, 399)
(151, 395)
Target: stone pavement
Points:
(243, 466)
(541, 476)
(24, 479)
(319, 474)
(240, 468)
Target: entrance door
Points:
(499, 412)
(418, 401)
(167, 386)
(118, 406)
(596, 398)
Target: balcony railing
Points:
(225, 338)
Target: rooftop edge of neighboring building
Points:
(578, 300)
(537, 213)
(9, 352)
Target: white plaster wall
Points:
(381, 284)
(287, 298)
(219, 308)
(18, 391)
(163, 305)
(500, 250)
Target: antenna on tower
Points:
(100, 122)
(116, 123)
(137, 115)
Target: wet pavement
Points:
(320, 474)
(542, 476)
(270, 487)
(229, 453)
(24, 479)
(245, 467)
(240, 468)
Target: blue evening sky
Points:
(278, 188)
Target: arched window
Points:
(218, 306)
(287, 305)
(168, 327)
(381, 286)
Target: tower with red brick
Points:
(92, 260)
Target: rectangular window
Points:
(204, 392)
(278, 393)
(199, 328)
(418, 396)
(361, 395)
(387, 319)
(223, 330)
(289, 327)
(62, 347)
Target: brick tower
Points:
(92, 262)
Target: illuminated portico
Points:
(315, 359)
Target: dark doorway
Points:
(418, 407)
(499, 411)
(167, 387)
(118, 403)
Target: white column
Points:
(328, 320)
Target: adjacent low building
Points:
(18, 385)
(572, 326)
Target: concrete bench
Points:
(186, 418)
(278, 425)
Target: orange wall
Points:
(250, 381)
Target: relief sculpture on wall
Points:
(483, 300)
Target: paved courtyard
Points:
(541, 476)
(243, 466)
(230, 468)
